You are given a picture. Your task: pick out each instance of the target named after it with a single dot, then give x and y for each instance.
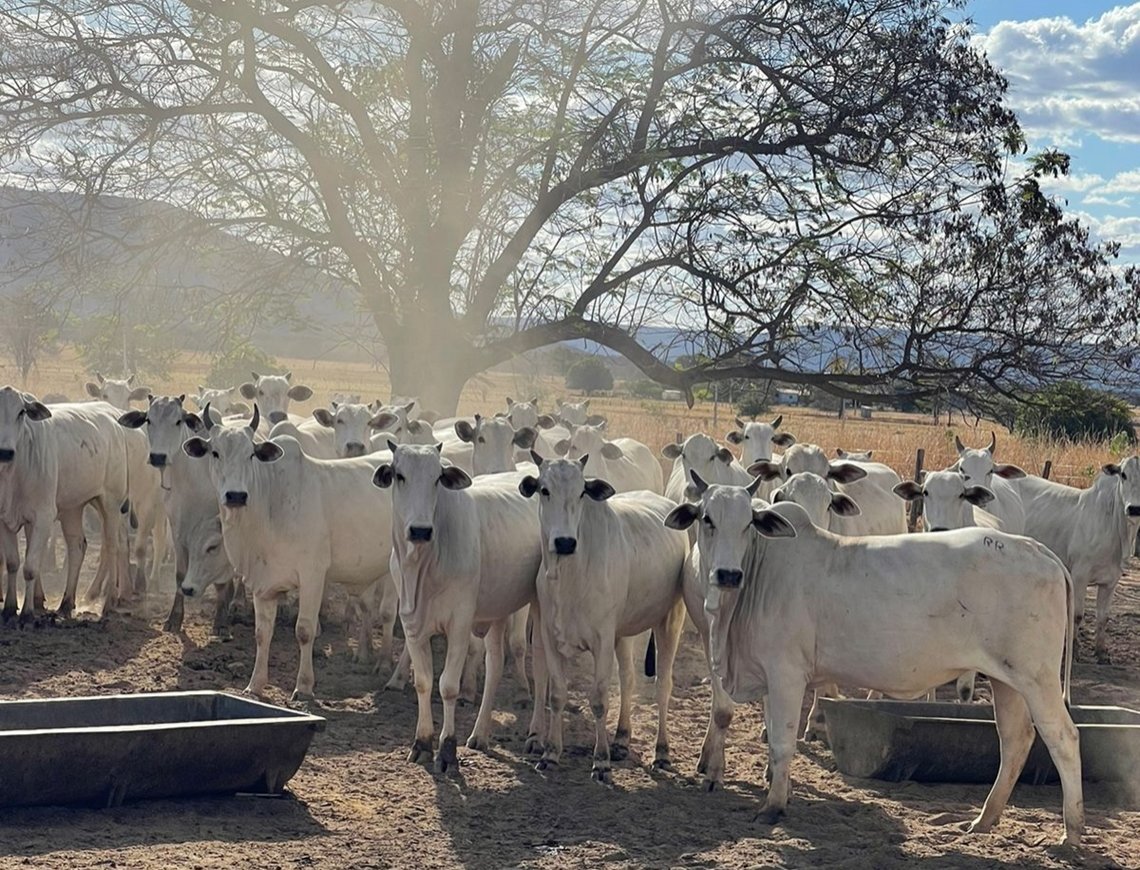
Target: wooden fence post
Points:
(678, 438)
(916, 505)
(1047, 469)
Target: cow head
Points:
(562, 486)
(948, 502)
(854, 455)
(1127, 474)
(978, 466)
(207, 563)
(589, 441)
(119, 393)
(350, 425)
(573, 414)
(493, 441)
(701, 454)
(272, 393)
(525, 415)
(397, 423)
(812, 493)
(233, 459)
(415, 476)
(756, 439)
(17, 411)
(168, 425)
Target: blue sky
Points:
(1074, 71)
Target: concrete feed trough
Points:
(109, 749)
(946, 742)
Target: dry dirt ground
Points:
(356, 802)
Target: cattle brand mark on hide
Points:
(993, 543)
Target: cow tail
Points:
(1070, 632)
(125, 507)
(651, 656)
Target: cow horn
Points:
(698, 481)
(993, 442)
(256, 421)
(206, 417)
(958, 443)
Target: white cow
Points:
(701, 454)
(610, 571)
(525, 415)
(978, 468)
(1092, 530)
(53, 462)
(117, 392)
(337, 432)
(191, 506)
(294, 523)
(800, 609)
(624, 463)
(870, 484)
(467, 554)
(225, 399)
(272, 393)
(756, 440)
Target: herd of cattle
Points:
(796, 569)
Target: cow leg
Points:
(816, 728)
(11, 548)
(158, 541)
(71, 524)
(389, 599)
(493, 644)
(400, 673)
(782, 713)
(264, 621)
(600, 700)
(458, 640)
(556, 671)
(37, 535)
(1103, 599)
(965, 687)
(138, 551)
(224, 593)
(668, 635)
(516, 643)
(627, 682)
(309, 599)
(469, 678)
(419, 652)
(536, 733)
(1055, 725)
(1015, 734)
(178, 605)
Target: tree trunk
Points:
(430, 364)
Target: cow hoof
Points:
(815, 735)
(618, 752)
(602, 775)
(10, 613)
(711, 785)
(662, 763)
(480, 744)
(27, 619)
(65, 610)
(447, 761)
(421, 752)
(769, 815)
(299, 697)
(1103, 658)
(546, 764)
(174, 626)
(534, 745)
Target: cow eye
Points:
(546, 492)
(21, 414)
(708, 523)
(214, 453)
(213, 548)
(1123, 476)
(482, 440)
(177, 422)
(399, 477)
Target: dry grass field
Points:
(357, 802)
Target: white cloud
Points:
(1067, 77)
(1125, 230)
(1098, 199)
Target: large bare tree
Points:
(811, 190)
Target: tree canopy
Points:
(816, 191)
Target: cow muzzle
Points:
(729, 578)
(7, 454)
(565, 546)
(188, 590)
(353, 448)
(158, 460)
(419, 534)
(1134, 510)
(236, 499)
(277, 416)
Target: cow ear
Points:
(1009, 472)
(268, 451)
(724, 454)
(671, 450)
(534, 401)
(525, 438)
(528, 486)
(908, 490)
(598, 489)
(133, 419)
(595, 420)
(1111, 468)
(536, 457)
(36, 411)
(139, 393)
(845, 472)
(383, 476)
(300, 393)
(682, 516)
(453, 477)
(612, 451)
(418, 427)
(698, 482)
(545, 421)
(248, 390)
(196, 447)
(844, 505)
(382, 420)
(734, 437)
(958, 444)
(324, 416)
(783, 439)
(766, 470)
(739, 422)
(99, 377)
(510, 401)
(392, 445)
(465, 431)
(193, 422)
(771, 525)
(93, 390)
(978, 495)
(562, 447)
(181, 399)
